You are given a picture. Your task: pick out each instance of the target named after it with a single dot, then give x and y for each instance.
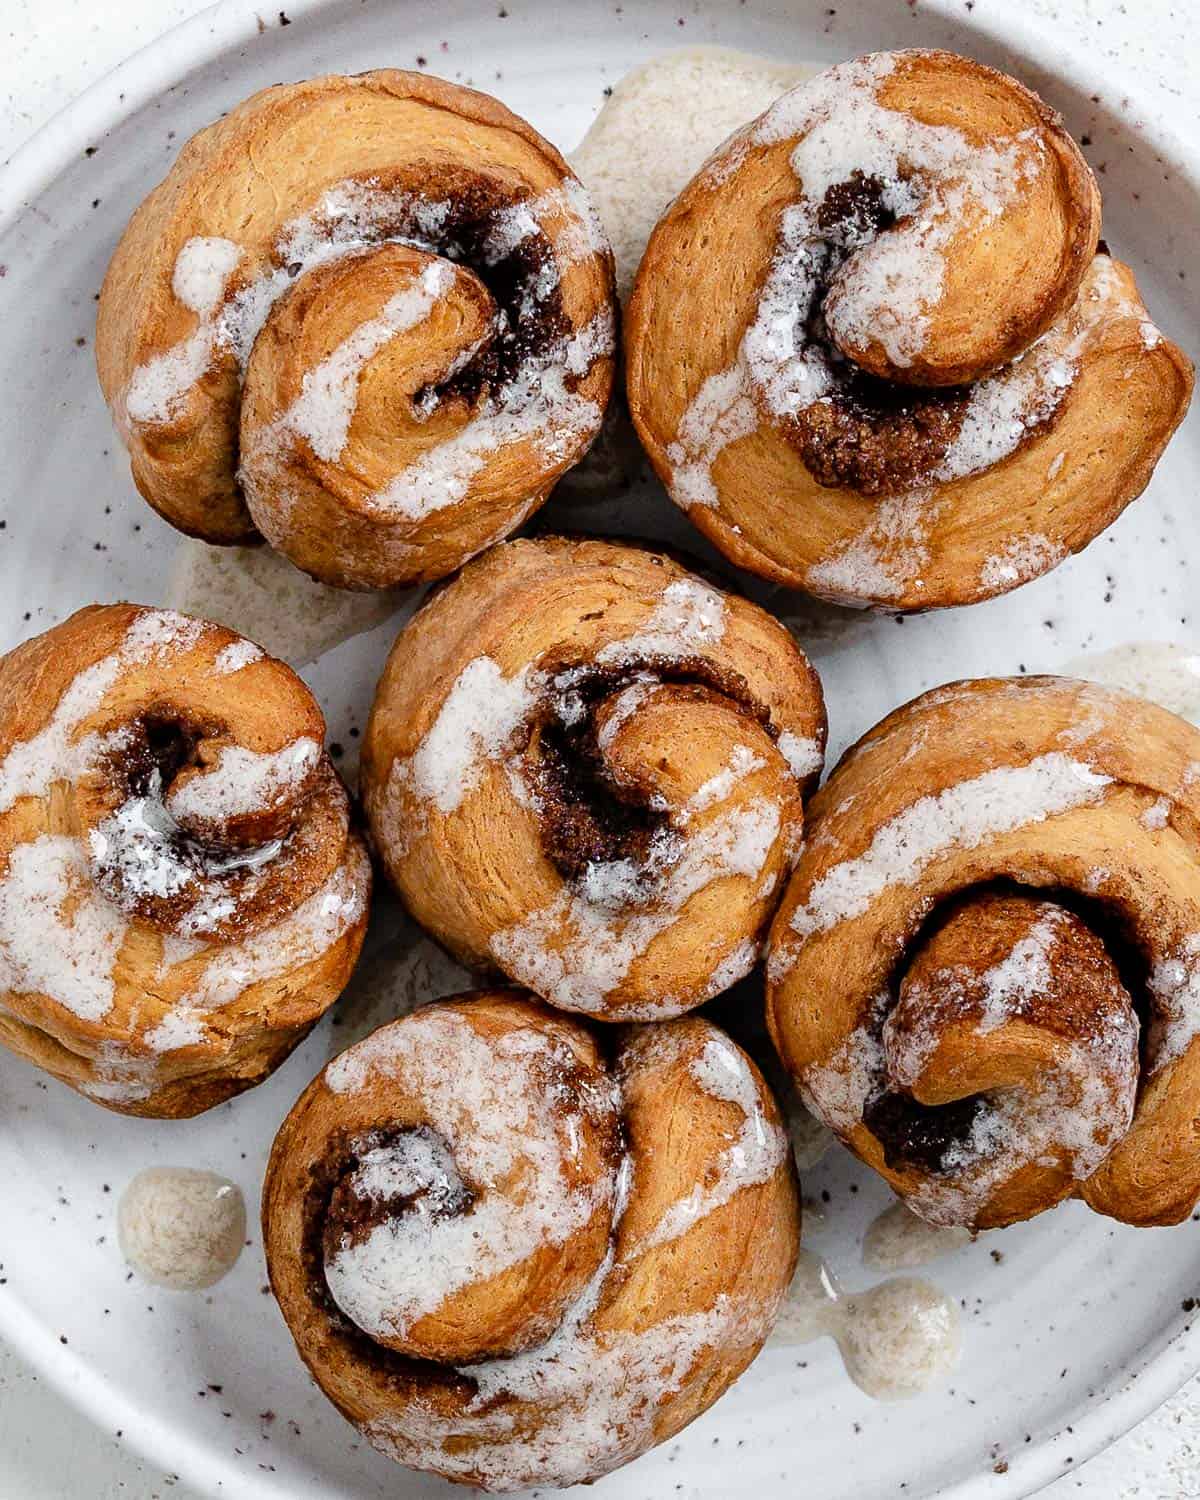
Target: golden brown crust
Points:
(982, 974)
(245, 219)
(586, 766)
(181, 892)
(691, 1185)
(963, 475)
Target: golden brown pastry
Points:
(585, 766)
(181, 893)
(370, 317)
(873, 351)
(512, 1257)
(985, 975)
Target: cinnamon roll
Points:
(181, 893)
(875, 351)
(585, 766)
(985, 975)
(371, 318)
(512, 1258)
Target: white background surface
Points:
(49, 51)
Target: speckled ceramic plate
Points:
(1074, 1328)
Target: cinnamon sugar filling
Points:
(879, 437)
(466, 219)
(934, 1138)
(586, 815)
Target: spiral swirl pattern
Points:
(181, 893)
(377, 325)
(873, 350)
(585, 766)
(984, 974)
(512, 1258)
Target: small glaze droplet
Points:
(180, 1227)
(897, 1339)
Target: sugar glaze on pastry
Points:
(586, 766)
(872, 349)
(368, 317)
(181, 892)
(513, 1260)
(1000, 906)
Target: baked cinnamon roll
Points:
(875, 352)
(585, 766)
(513, 1258)
(181, 893)
(985, 975)
(371, 318)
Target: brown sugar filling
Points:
(923, 1136)
(586, 816)
(875, 436)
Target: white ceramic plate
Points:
(1078, 1330)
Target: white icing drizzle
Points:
(298, 939)
(323, 411)
(237, 656)
(736, 964)
(181, 1228)
(1072, 1119)
(753, 1155)
(1022, 558)
(897, 1339)
(57, 938)
(897, 1240)
(597, 1392)
(884, 559)
(932, 178)
(202, 271)
(535, 406)
(490, 1120)
(577, 950)
(580, 946)
(1082, 1109)
(741, 763)
(689, 617)
(962, 816)
(243, 781)
(837, 1090)
(1175, 986)
(56, 752)
(803, 754)
(475, 723)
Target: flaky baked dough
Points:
(585, 766)
(166, 935)
(593, 1348)
(393, 210)
(858, 489)
(983, 974)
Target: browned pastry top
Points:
(371, 317)
(873, 351)
(585, 766)
(984, 973)
(181, 893)
(517, 1253)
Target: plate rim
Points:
(149, 72)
